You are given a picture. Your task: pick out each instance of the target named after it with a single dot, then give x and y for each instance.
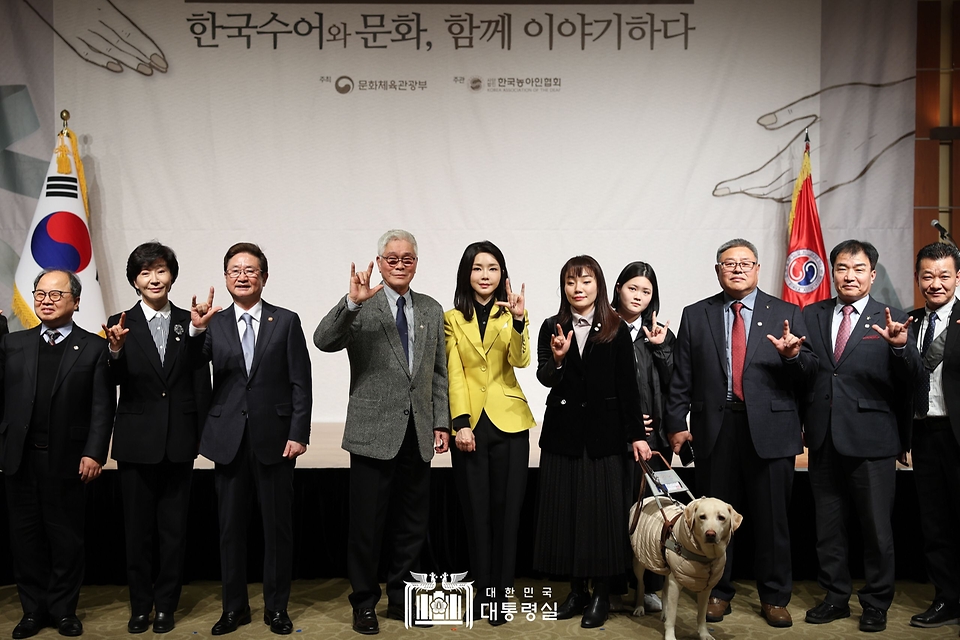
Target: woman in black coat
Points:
(593, 413)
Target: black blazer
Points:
(865, 400)
(654, 371)
(594, 400)
(274, 402)
(771, 385)
(951, 364)
(81, 407)
(160, 408)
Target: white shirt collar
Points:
(859, 305)
(944, 312)
(254, 311)
(149, 312)
(64, 330)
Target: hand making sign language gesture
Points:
(515, 301)
(895, 333)
(360, 290)
(788, 345)
(201, 313)
(117, 334)
(658, 334)
(560, 345)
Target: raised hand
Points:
(788, 345)
(895, 333)
(116, 334)
(360, 290)
(514, 301)
(658, 334)
(201, 313)
(560, 345)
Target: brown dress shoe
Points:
(716, 609)
(775, 616)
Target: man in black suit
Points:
(258, 423)
(857, 422)
(936, 428)
(164, 389)
(740, 385)
(58, 407)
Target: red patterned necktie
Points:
(52, 337)
(738, 349)
(843, 334)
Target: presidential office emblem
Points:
(804, 271)
(449, 603)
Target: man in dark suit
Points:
(58, 407)
(936, 428)
(258, 423)
(397, 417)
(740, 384)
(164, 390)
(857, 422)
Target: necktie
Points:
(738, 349)
(843, 334)
(159, 338)
(248, 342)
(922, 398)
(52, 336)
(402, 326)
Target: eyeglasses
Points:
(54, 295)
(250, 272)
(407, 261)
(730, 266)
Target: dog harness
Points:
(667, 541)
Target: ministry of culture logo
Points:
(344, 84)
(804, 271)
(450, 603)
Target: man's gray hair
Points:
(737, 242)
(75, 285)
(395, 234)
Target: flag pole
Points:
(64, 116)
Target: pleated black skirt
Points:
(581, 523)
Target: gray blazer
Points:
(382, 389)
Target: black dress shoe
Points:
(939, 614)
(365, 621)
(230, 620)
(163, 622)
(872, 619)
(30, 625)
(826, 612)
(138, 623)
(596, 614)
(70, 626)
(278, 621)
(574, 605)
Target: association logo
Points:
(61, 241)
(344, 84)
(476, 84)
(448, 603)
(804, 271)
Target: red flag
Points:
(805, 276)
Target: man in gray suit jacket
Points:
(397, 417)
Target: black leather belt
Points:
(736, 405)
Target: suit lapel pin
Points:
(177, 338)
(759, 324)
(76, 348)
(269, 318)
(597, 328)
(421, 326)
(178, 329)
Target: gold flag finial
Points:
(64, 115)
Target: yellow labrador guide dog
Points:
(687, 544)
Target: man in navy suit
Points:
(258, 423)
(164, 394)
(936, 428)
(58, 407)
(857, 422)
(739, 364)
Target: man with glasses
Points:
(258, 423)
(58, 408)
(857, 423)
(397, 418)
(740, 363)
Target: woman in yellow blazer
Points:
(486, 337)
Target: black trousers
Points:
(843, 485)
(492, 482)
(760, 490)
(156, 498)
(398, 488)
(237, 483)
(936, 471)
(46, 535)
